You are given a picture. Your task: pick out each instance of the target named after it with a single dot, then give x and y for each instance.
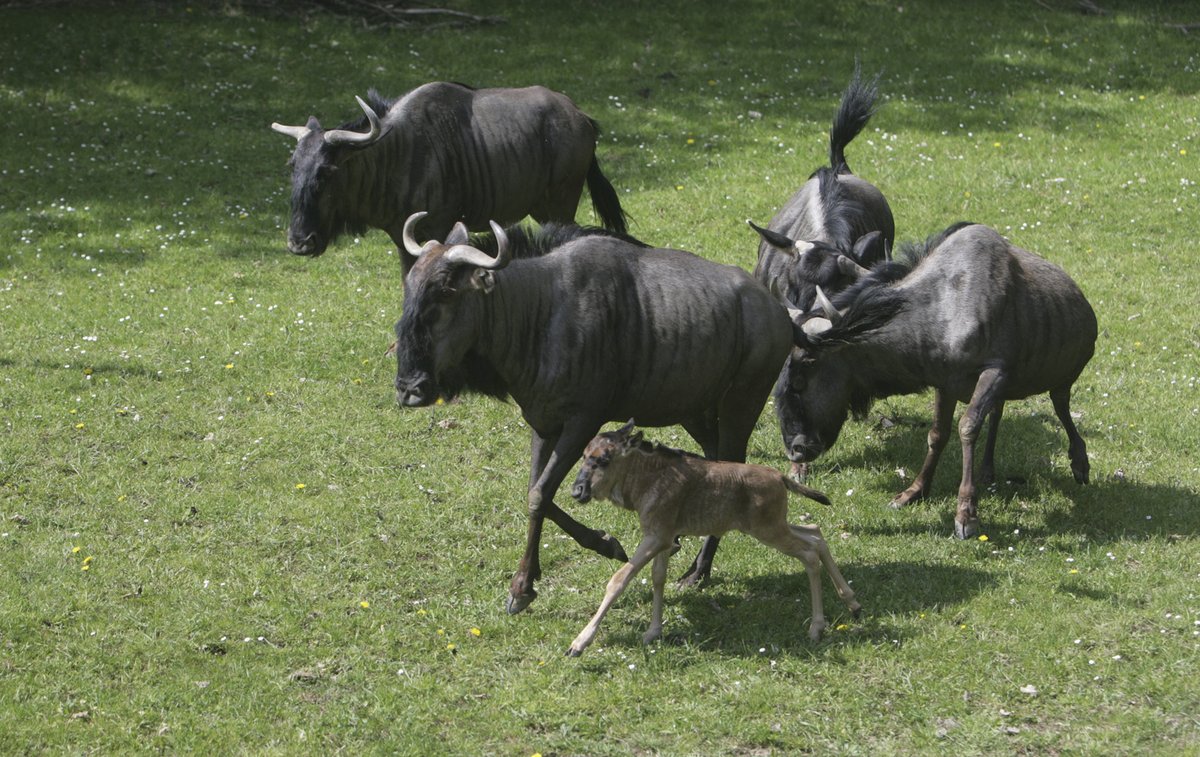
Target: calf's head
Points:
(316, 215)
(443, 312)
(598, 457)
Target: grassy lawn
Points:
(219, 534)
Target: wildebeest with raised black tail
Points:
(836, 225)
(581, 327)
(834, 228)
(978, 319)
(461, 154)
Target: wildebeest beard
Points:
(475, 375)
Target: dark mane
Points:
(839, 208)
(657, 448)
(527, 241)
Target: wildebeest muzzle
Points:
(309, 245)
(416, 391)
(581, 490)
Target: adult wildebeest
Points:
(829, 233)
(581, 327)
(836, 225)
(462, 154)
(978, 319)
(676, 493)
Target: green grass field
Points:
(219, 534)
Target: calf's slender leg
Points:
(707, 434)
(1076, 448)
(659, 573)
(646, 550)
(939, 434)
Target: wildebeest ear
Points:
(457, 235)
(624, 430)
(773, 238)
(634, 440)
(484, 280)
(869, 249)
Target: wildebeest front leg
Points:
(988, 390)
(939, 434)
(551, 460)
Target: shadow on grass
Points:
(741, 617)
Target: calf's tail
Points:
(804, 491)
(604, 200)
(857, 107)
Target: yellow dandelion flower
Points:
(76, 550)
(1073, 571)
(441, 632)
(1183, 151)
(299, 487)
(356, 381)
(962, 625)
(87, 560)
(476, 632)
(983, 537)
(364, 604)
(966, 194)
(421, 612)
(228, 366)
(72, 411)
(995, 144)
(270, 394)
(843, 627)
(122, 498)
(1141, 97)
(366, 362)
(451, 647)
(79, 425)
(691, 141)
(679, 187)
(85, 568)
(440, 401)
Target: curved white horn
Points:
(296, 132)
(410, 244)
(850, 268)
(462, 253)
(343, 137)
(830, 311)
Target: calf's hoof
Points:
(518, 602)
(855, 610)
(573, 652)
(967, 530)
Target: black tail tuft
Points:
(605, 201)
(857, 107)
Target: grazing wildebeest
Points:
(978, 319)
(582, 327)
(675, 493)
(834, 228)
(462, 154)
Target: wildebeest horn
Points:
(463, 253)
(343, 137)
(793, 311)
(296, 132)
(823, 302)
(850, 268)
(410, 244)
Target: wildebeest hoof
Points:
(613, 548)
(967, 530)
(515, 604)
(573, 652)
(856, 611)
(692, 578)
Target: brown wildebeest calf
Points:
(675, 493)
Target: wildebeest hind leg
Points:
(706, 433)
(1076, 448)
(987, 466)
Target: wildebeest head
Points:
(816, 390)
(822, 264)
(315, 219)
(597, 459)
(441, 320)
